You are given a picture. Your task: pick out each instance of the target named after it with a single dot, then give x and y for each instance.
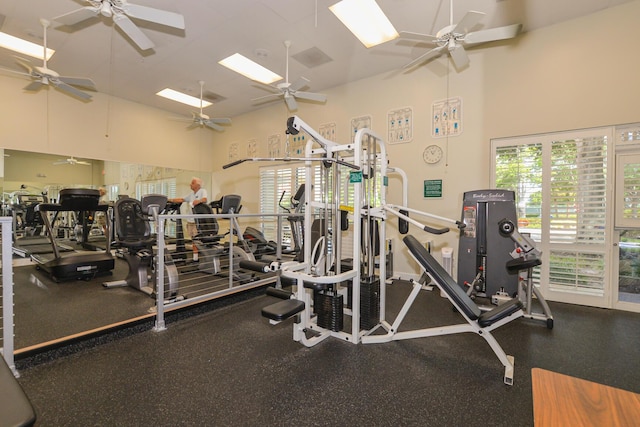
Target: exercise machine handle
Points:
(232, 164)
(435, 230)
(261, 267)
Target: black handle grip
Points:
(232, 164)
(261, 267)
(435, 230)
(403, 224)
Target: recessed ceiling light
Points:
(22, 46)
(365, 20)
(250, 69)
(174, 95)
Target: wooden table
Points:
(560, 400)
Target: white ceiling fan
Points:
(454, 38)
(200, 119)
(45, 76)
(290, 91)
(121, 12)
(72, 161)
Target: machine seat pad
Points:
(520, 264)
(488, 318)
(15, 406)
(208, 240)
(316, 286)
(442, 278)
(283, 310)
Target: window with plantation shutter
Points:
(561, 182)
(274, 181)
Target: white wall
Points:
(105, 128)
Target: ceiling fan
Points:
(200, 119)
(454, 38)
(290, 91)
(45, 76)
(121, 12)
(71, 161)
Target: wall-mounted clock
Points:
(432, 154)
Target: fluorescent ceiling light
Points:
(250, 69)
(174, 95)
(365, 20)
(22, 46)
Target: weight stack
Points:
(369, 302)
(328, 307)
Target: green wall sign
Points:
(432, 188)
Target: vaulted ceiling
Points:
(257, 29)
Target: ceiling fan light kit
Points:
(121, 12)
(454, 37)
(44, 76)
(199, 119)
(290, 91)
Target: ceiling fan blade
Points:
(133, 32)
(492, 34)
(298, 84)
(433, 53)
(210, 124)
(158, 16)
(78, 81)
(270, 88)
(221, 120)
(70, 89)
(25, 64)
(83, 163)
(266, 98)
(61, 162)
(33, 86)
(468, 22)
(425, 38)
(459, 57)
(77, 15)
(311, 96)
(9, 70)
(292, 105)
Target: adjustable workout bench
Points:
(477, 321)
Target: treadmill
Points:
(74, 265)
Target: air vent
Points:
(212, 97)
(312, 57)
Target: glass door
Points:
(627, 232)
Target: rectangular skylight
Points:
(365, 20)
(22, 46)
(174, 95)
(250, 69)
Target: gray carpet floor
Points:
(227, 366)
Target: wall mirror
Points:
(47, 311)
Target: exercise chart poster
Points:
(447, 117)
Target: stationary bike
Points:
(133, 235)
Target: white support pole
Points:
(7, 295)
(160, 323)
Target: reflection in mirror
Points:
(46, 310)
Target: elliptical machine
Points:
(259, 245)
(208, 240)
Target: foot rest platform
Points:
(283, 310)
